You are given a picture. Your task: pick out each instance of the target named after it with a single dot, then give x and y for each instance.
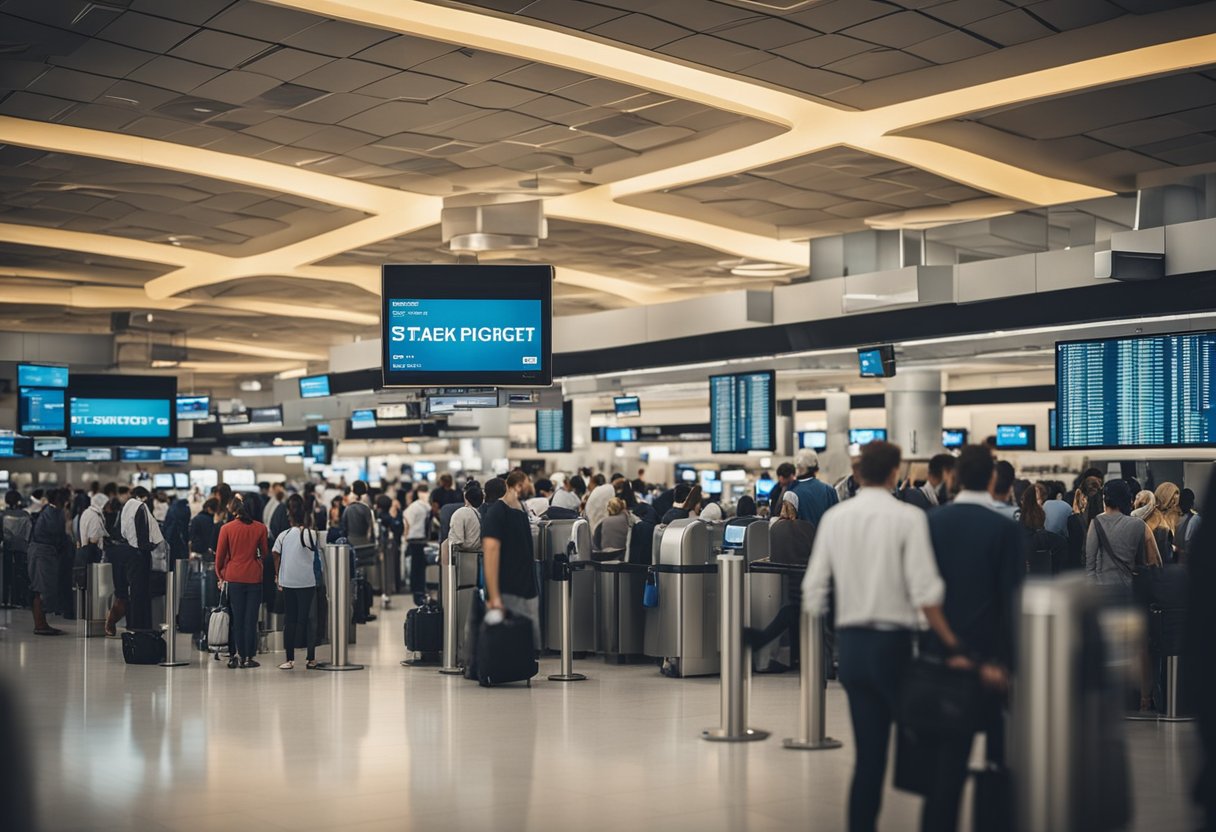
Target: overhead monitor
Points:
(864, 436)
(205, 478)
(47, 444)
(710, 483)
(42, 375)
(40, 410)
(181, 480)
(1015, 437)
(362, 419)
(465, 402)
(314, 387)
(84, 455)
(424, 468)
(398, 412)
(614, 434)
(743, 412)
(816, 440)
(14, 446)
(954, 438)
(162, 481)
(240, 477)
(174, 455)
(733, 535)
(467, 324)
(1143, 391)
(321, 452)
(627, 406)
(193, 408)
(139, 454)
(323, 429)
(685, 472)
(121, 409)
(555, 429)
(877, 362)
(238, 417)
(268, 416)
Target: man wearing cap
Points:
(814, 496)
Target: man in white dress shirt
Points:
(877, 552)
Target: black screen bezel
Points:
(495, 282)
(1032, 437)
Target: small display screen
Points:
(181, 481)
(816, 440)
(362, 419)
(424, 467)
(555, 429)
(319, 451)
(42, 375)
(84, 455)
(13, 446)
(272, 416)
(627, 405)
(1015, 437)
(139, 454)
(193, 408)
(41, 410)
(314, 387)
(174, 454)
(878, 362)
(50, 443)
(612, 434)
(732, 536)
(764, 487)
(864, 436)
(954, 437)
(162, 481)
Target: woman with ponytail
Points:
(294, 555)
(238, 564)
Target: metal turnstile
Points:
(620, 618)
(554, 538)
(687, 615)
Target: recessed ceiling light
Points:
(203, 110)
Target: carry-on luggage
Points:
(143, 647)
(190, 610)
(363, 598)
(424, 629)
(219, 622)
(505, 652)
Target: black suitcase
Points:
(505, 652)
(992, 807)
(424, 628)
(143, 647)
(362, 594)
(190, 611)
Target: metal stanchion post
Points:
(385, 597)
(812, 734)
(450, 623)
(171, 622)
(567, 667)
(1171, 692)
(731, 592)
(337, 567)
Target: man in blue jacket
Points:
(814, 495)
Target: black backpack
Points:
(641, 543)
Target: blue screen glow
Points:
(627, 406)
(41, 375)
(84, 455)
(1014, 436)
(871, 362)
(193, 407)
(174, 454)
(428, 335)
(816, 440)
(139, 454)
(41, 410)
(362, 419)
(864, 436)
(93, 418)
(619, 435)
(314, 387)
(953, 438)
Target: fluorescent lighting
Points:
(298, 372)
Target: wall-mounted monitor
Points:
(121, 409)
(181, 481)
(710, 482)
(162, 481)
(1143, 391)
(139, 454)
(84, 455)
(864, 436)
(13, 446)
(876, 362)
(424, 468)
(193, 408)
(764, 488)
(175, 455)
(271, 417)
(362, 419)
(240, 477)
(555, 429)
(239, 417)
(816, 440)
(314, 387)
(438, 404)
(1015, 437)
(685, 473)
(321, 452)
(42, 375)
(953, 438)
(627, 406)
(467, 324)
(614, 434)
(41, 410)
(743, 412)
(47, 444)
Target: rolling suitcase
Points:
(190, 610)
(505, 652)
(424, 629)
(143, 647)
(219, 622)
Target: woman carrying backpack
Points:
(295, 555)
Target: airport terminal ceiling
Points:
(239, 170)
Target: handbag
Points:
(939, 700)
(650, 593)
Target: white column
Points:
(914, 412)
(834, 463)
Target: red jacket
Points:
(237, 551)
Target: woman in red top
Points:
(238, 564)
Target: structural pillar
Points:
(914, 412)
(834, 463)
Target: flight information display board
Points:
(555, 429)
(40, 410)
(743, 412)
(447, 325)
(1147, 391)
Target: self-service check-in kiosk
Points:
(554, 538)
(687, 614)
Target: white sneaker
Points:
(287, 665)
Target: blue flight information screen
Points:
(1140, 392)
(1015, 436)
(41, 410)
(870, 362)
(41, 375)
(431, 335)
(553, 430)
(314, 387)
(362, 419)
(742, 412)
(864, 436)
(93, 417)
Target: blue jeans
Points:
(246, 601)
(872, 667)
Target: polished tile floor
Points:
(394, 748)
